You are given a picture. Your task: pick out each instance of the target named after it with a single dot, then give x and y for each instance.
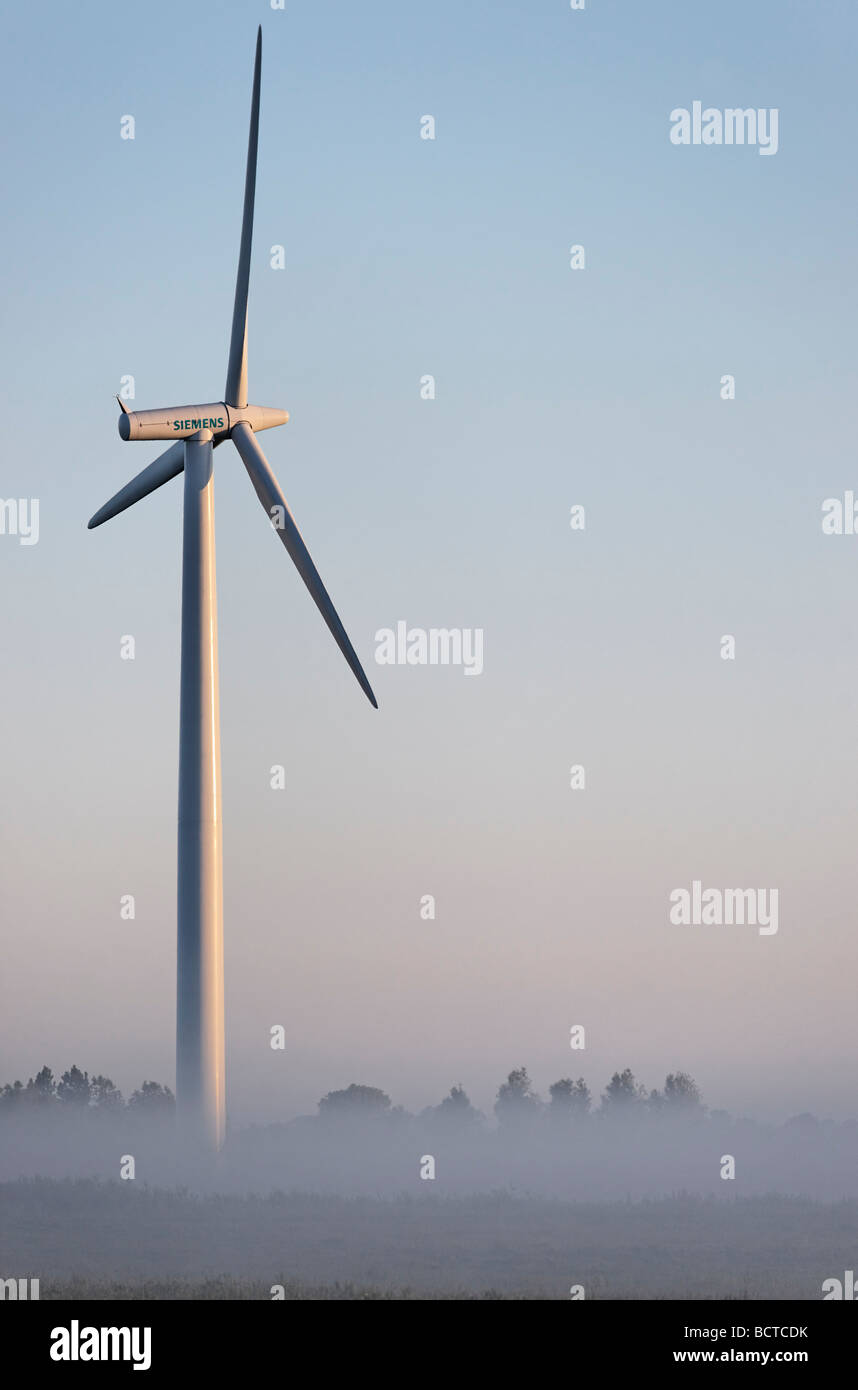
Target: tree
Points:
(152, 1099)
(11, 1095)
(355, 1102)
(681, 1093)
(517, 1102)
(622, 1093)
(455, 1110)
(569, 1099)
(804, 1124)
(104, 1095)
(74, 1088)
(43, 1090)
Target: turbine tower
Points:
(196, 430)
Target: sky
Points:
(599, 387)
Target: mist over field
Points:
(594, 1160)
(649, 1195)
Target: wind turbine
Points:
(196, 430)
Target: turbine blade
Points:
(236, 372)
(268, 491)
(165, 467)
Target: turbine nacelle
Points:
(181, 421)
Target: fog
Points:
(394, 1205)
(597, 1159)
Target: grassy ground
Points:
(119, 1240)
(238, 1290)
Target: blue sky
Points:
(600, 387)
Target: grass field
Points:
(91, 1239)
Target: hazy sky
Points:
(554, 387)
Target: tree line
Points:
(517, 1101)
(76, 1090)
